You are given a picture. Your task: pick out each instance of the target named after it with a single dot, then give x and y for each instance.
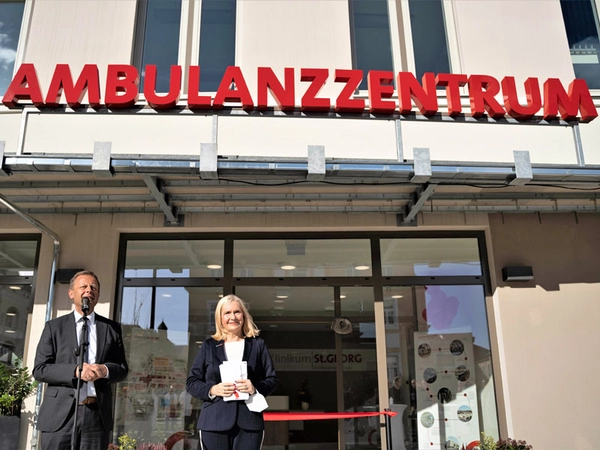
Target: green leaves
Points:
(16, 384)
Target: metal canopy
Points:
(54, 185)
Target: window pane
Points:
(217, 41)
(360, 367)
(582, 25)
(302, 258)
(162, 332)
(160, 38)
(11, 15)
(16, 304)
(438, 346)
(371, 36)
(18, 258)
(429, 37)
(301, 342)
(174, 259)
(430, 257)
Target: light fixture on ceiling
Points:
(361, 267)
(11, 313)
(166, 295)
(282, 293)
(213, 266)
(15, 288)
(279, 301)
(10, 331)
(342, 296)
(397, 296)
(285, 266)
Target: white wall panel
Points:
(493, 143)
(299, 33)
(285, 137)
(79, 32)
(513, 37)
(590, 139)
(10, 124)
(142, 134)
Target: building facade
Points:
(405, 192)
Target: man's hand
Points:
(93, 372)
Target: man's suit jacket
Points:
(55, 363)
(217, 414)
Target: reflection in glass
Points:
(430, 257)
(302, 258)
(371, 37)
(449, 325)
(11, 15)
(583, 30)
(16, 304)
(360, 376)
(217, 41)
(163, 328)
(429, 37)
(160, 22)
(174, 259)
(18, 257)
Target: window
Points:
(18, 262)
(429, 37)
(158, 32)
(372, 48)
(582, 26)
(168, 34)
(324, 317)
(11, 15)
(217, 41)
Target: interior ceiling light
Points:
(359, 267)
(342, 296)
(15, 288)
(166, 295)
(10, 313)
(10, 331)
(397, 296)
(288, 267)
(278, 301)
(213, 266)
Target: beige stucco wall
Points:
(549, 326)
(78, 33)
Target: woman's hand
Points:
(245, 386)
(222, 389)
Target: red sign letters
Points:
(122, 91)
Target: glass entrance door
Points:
(439, 366)
(322, 341)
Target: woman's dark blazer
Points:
(217, 414)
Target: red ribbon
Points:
(274, 416)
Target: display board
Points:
(447, 412)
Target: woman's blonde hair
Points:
(249, 328)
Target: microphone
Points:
(85, 305)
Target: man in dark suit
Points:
(56, 364)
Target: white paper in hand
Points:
(232, 371)
(257, 402)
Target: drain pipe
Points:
(44, 229)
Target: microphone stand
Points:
(80, 352)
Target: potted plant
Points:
(488, 443)
(16, 384)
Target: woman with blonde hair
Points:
(226, 423)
